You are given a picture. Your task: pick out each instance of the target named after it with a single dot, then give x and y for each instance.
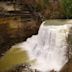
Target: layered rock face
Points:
(13, 31)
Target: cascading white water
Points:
(48, 48)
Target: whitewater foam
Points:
(48, 48)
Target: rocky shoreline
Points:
(25, 68)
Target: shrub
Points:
(67, 5)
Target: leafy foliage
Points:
(67, 5)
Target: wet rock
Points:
(23, 68)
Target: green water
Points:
(58, 22)
(13, 57)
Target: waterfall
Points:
(48, 48)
